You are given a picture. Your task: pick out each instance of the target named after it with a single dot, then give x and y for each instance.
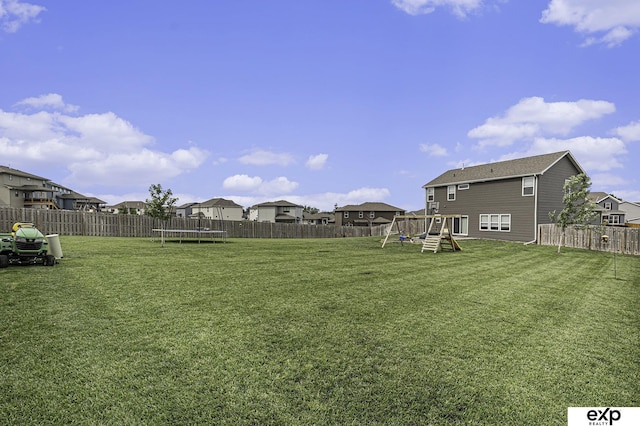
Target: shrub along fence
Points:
(620, 239)
(66, 222)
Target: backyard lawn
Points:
(330, 331)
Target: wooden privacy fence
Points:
(66, 222)
(620, 239)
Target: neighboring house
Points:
(632, 212)
(25, 190)
(185, 210)
(128, 207)
(20, 189)
(506, 200)
(323, 218)
(366, 214)
(276, 212)
(607, 208)
(218, 209)
(75, 201)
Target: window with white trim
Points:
(346, 215)
(528, 183)
(372, 215)
(484, 222)
(451, 192)
(360, 215)
(431, 195)
(495, 222)
(463, 186)
(611, 219)
(607, 205)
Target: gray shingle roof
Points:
(527, 166)
(20, 173)
(370, 207)
(218, 202)
(280, 203)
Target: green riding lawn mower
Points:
(25, 245)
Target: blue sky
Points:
(317, 102)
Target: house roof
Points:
(218, 202)
(597, 197)
(317, 216)
(370, 207)
(280, 203)
(528, 166)
(15, 172)
(186, 205)
(130, 205)
(73, 195)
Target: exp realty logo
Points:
(603, 416)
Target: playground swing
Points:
(434, 240)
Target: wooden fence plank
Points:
(624, 240)
(66, 222)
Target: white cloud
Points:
(629, 133)
(608, 180)
(242, 183)
(617, 19)
(533, 117)
(632, 195)
(594, 154)
(279, 185)
(317, 162)
(326, 201)
(98, 149)
(264, 158)
(433, 150)
(135, 168)
(460, 8)
(14, 14)
(52, 100)
(255, 184)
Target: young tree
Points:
(578, 209)
(160, 204)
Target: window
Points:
(372, 215)
(528, 183)
(611, 219)
(495, 222)
(360, 215)
(463, 186)
(607, 205)
(461, 225)
(451, 192)
(505, 222)
(430, 194)
(484, 222)
(346, 215)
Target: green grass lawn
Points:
(332, 331)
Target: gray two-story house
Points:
(607, 207)
(506, 200)
(366, 214)
(281, 211)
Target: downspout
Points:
(535, 212)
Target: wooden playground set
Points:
(434, 240)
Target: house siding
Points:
(494, 197)
(551, 189)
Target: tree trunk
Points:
(561, 241)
